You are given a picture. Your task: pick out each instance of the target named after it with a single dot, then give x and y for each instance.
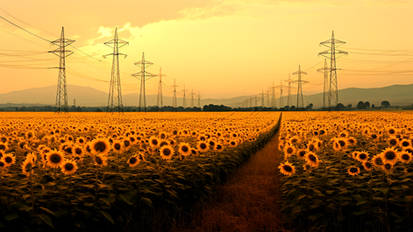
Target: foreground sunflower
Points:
(100, 146)
(184, 149)
(68, 167)
(353, 171)
(287, 168)
(54, 159)
(133, 161)
(8, 159)
(405, 157)
(389, 156)
(27, 167)
(167, 152)
(312, 159)
(202, 146)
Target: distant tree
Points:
(360, 105)
(367, 104)
(349, 106)
(385, 104)
(340, 106)
(310, 106)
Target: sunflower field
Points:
(118, 172)
(347, 171)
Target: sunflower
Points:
(154, 142)
(68, 167)
(312, 159)
(126, 144)
(301, 153)
(405, 143)
(9, 159)
(393, 141)
(202, 146)
(233, 143)
(77, 150)
(55, 159)
(100, 160)
(2, 164)
(184, 149)
(27, 167)
(167, 152)
(389, 156)
(218, 147)
(289, 150)
(194, 151)
(367, 165)
(67, 148)
(377, 161)
(362, 156)
(133, 161)
(286, 168)
(387, 167)
(100, 146)
(353, 171)
(352, 141)
(405, 157)
(117, 146)
(4, 146)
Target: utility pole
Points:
(160, 96)
(174, 100)
(300, 97)
(268, 98)
(62, 53)
(143, 75)
(289, 81)
(325, 70)
(115, 86)
(331, 53)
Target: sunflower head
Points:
(405, 157)
(389, 156)
(133, 161)
(55, 159)
(69, 167)
(167, 152)
(287, 168)
(100, 146)
(202, 146)
(184, 149)
(353, 171)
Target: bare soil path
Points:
(248, 201)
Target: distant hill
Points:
(87, 96)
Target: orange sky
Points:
(220, 48)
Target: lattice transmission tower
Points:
(174, 99)
(62, 53)
(289, 82)
(331, 54)
(281, 87)
(115, 88)
(143, 75)
(159, 100)
(184, 98)
(300, 81)
(325, 70)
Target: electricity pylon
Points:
(326, 82)
(115, 86)
(273, 95)
(332, 44)
(143, 75)
(262, 98)
(62, 53)
(184, 98)
(281, 86)
(174, 100)
(192, 98)
(159, 100)
(289, 81)
(299, 81)
(199, 99)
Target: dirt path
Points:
(248, 201)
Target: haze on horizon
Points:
(221, 48)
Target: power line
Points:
(24, 29)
